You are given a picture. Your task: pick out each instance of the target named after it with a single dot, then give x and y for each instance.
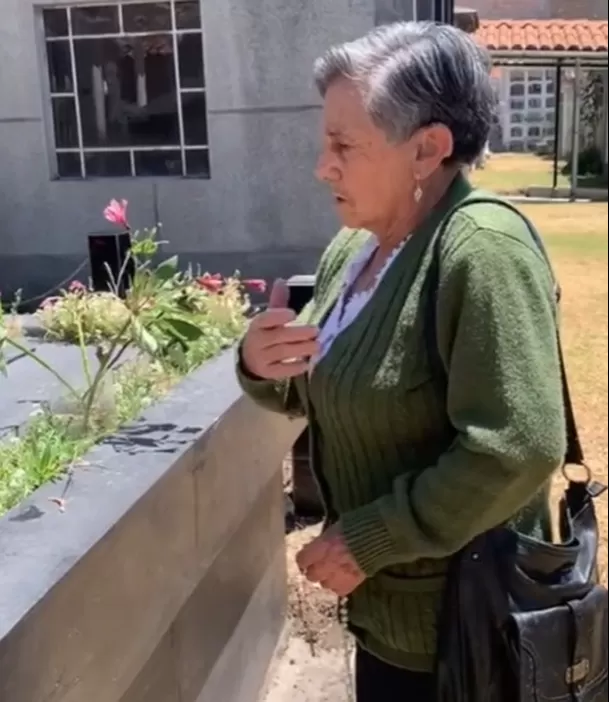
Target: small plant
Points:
(175, 319)
(97, 316)
(166, 323)
(590, 162)
(9, 318)
(45, 448)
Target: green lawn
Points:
(510, 174)
(576, 235)
(573, 229)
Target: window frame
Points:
(49, 95)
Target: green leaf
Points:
(177, 355)
(144, 339)
(3, 363)
(167, 269)
(183, 328)
(145, 248)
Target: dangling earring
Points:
(418, 193)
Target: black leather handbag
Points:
(525, 620)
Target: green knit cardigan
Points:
(412, 462)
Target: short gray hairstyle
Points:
(413, 74)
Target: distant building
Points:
(529, 54)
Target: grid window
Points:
(534, 117)
(516, 89)
(127, 86)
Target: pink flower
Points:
(49, 302)
(116, 212)
(211, 283)
(77, 287)
(255, 285)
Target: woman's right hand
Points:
(274, 349)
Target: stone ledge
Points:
(92, 600)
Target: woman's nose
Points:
(326, 171)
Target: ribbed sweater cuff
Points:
(243, 374)
(367, 538)
(251, 384)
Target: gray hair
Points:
(413, 74)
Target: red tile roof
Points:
(543, 35)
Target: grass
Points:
(513, 174)
(576, 235)
(54, 441)
(510, 174)
(32, 459)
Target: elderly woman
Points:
(416, 450)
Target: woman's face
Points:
(370, 178)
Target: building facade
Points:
(201, 114)
(535, 65)
(542, 9)
(527, 99)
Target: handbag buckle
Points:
(568, 470)
(576, 673)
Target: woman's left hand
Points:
(328, 561)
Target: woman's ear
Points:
(434, 145)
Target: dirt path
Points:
(299, 677)
(312, 668)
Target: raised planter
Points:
(164, 578)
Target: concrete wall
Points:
(164, 579)
(543, 9)
(261, 211)
(510, 9)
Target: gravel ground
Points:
(312, 667)
(299, 677)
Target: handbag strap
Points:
(574, 454)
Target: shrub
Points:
(173, 321)
(590, 162)
(177, 317)
(98, 316)
(172, 318)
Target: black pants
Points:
(376, 681)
